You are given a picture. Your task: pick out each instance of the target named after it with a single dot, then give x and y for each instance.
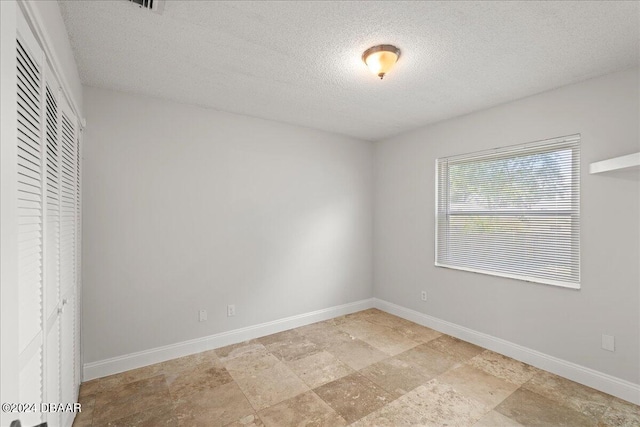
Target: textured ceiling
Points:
(299, 62)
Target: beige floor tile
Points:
(503, 367)
(353, 396)
(235, 350)
(129, 399)
(621, 414)
(82, 421)
(269, 386)
(440, 404)
(121, 379)
(456, 348)
(337, 321)
(278, 337)
(248, 421)
(380, 337)
(496, 419)
(293, 348)
(356, 353)
(251, 357)
(252, 363)
(418, 333)
(319, 368)
(560, 390)
(408, 375)
(385, 319)
(85, 417)
(314, 328)
(531, 409)
(213, 407)
(306, 409)
(196, 379)
(431, 361)
(364, 314)
(319, 328)
(432, 404)
(356, 326)
(400, 412)
(155, 417)
(89, 388)
(390, 342)
(407, 329)
(395, 376)
(324, 335)
(478, 385)
(188, 362)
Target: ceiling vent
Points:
(156, 6)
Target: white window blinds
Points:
(512, 212)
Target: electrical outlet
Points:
(608, 342)
(231, 310)
(423, 295)
(202, 315)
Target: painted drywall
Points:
(561, 322)
(186, 208)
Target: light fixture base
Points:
(381, 58)
(381, 48)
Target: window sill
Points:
(575, 286)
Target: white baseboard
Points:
(600, 381)
(139, 359)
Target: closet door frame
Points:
(9, 357)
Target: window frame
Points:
(555, 144)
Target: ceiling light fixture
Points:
(380, 59)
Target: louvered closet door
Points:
(30, 218)
(68, 252)
(76, 309)
(52, 245)
(48, 212)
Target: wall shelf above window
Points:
(630, 161)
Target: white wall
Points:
(564, 323)
(187, 208)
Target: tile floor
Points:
(364, 369)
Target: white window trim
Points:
(520, 277)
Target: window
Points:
(512, 212)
